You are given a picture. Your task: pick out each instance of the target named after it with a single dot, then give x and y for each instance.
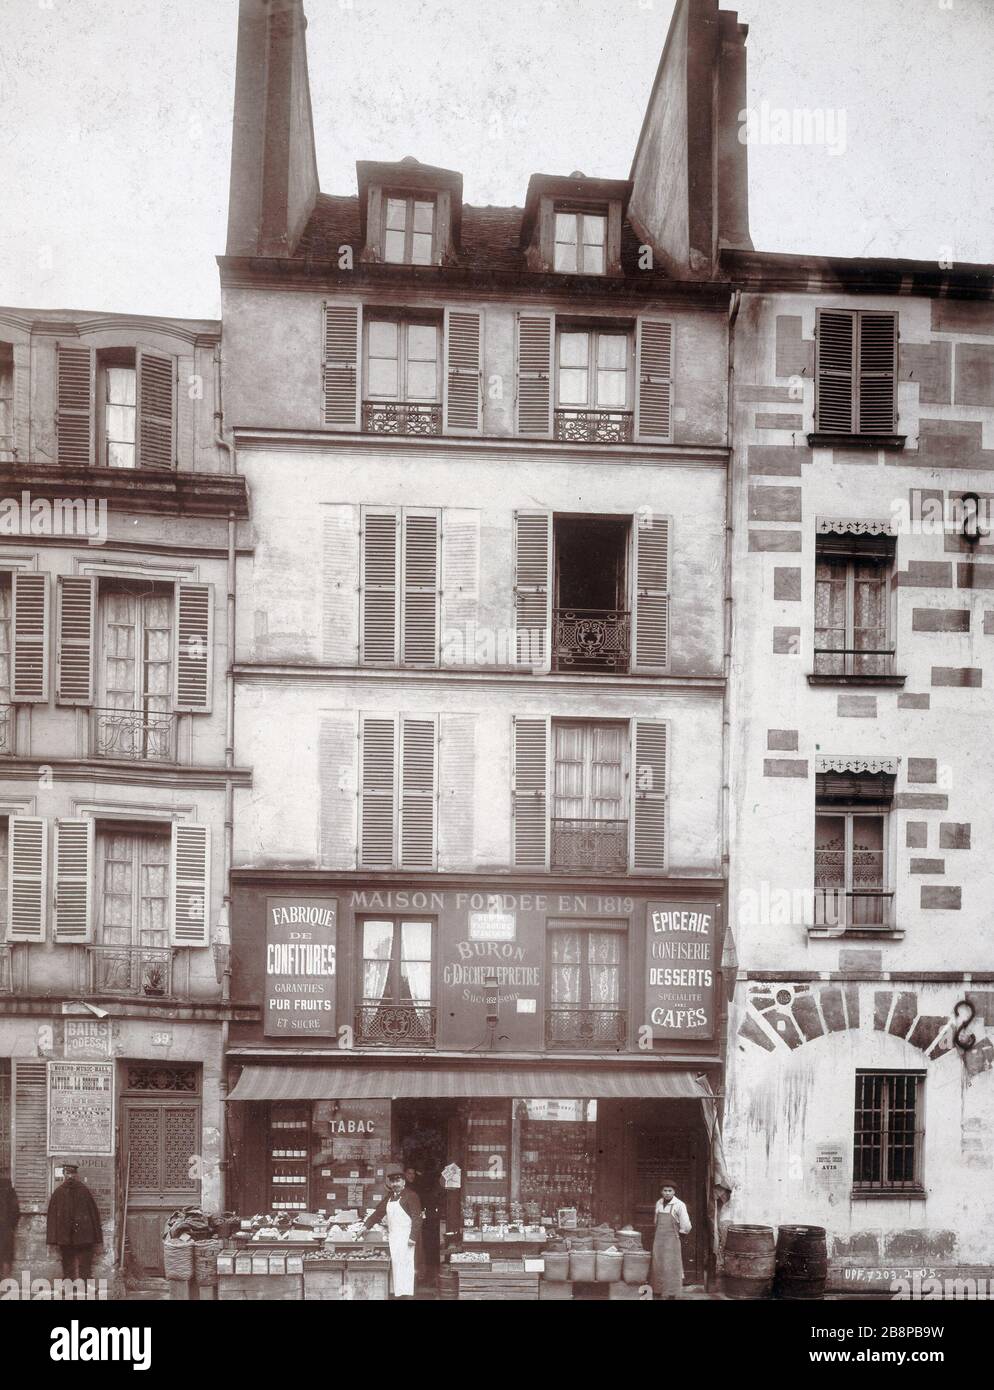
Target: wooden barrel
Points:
(750, 1260)
(802, 1262)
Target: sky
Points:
(115, 124)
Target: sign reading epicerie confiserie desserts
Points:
(300, 966)
(681, 969)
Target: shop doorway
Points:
(160, 1148)
(426, 1137)
(661, 1149)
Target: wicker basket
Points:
(582, 1266)
(205, 1261)
(177, 1258)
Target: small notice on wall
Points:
(80, 1108)
(492, 926)
(830, 1159)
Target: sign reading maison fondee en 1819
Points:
(681, 969)
(300, 967)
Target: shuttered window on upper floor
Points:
(400, 586)
(398, 760)
(115, 407)
(856, 373)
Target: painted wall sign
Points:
(80, 1108)
(492, 926)
(681, 969)
(86, 1037)
(583, 904)
(300, 970)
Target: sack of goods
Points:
(608, 1266)
(627, 1238)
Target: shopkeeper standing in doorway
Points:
(672, 1222)
(401, 1214)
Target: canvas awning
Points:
(320, 1081)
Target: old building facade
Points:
(117, 548)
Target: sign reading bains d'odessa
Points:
(300, 966)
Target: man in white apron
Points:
(401, 1214)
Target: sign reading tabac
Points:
(300, 967)
(681, 969)
(80, 1108)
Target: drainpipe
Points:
(219, 438)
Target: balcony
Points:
(134, 735)
(594, 426)
(591, 639)
(142, 972)
(586, 1027)
(401, 417)
(395, 1025)
(868, 909)
(590, 844)
(6, 729)
(874, 665)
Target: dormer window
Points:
(409, 230)
(580, 244)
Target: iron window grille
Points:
(888, 1133)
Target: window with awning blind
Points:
(852, 619)
(398, 777)
(856, 372)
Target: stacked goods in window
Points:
(289, 1157)
(557, 1164)
(486, 1181)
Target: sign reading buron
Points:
(681, 969)
(300, 966)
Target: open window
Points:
(591, 618)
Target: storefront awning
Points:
(323, 1082)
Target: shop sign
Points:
(492, 926)
(86, 1037)
(681, 969)
(301, 940)
(80, 1108)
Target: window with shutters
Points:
(856, 374)
(587, 968)
(6, 402)
(888, 1133)
(580, 244)
(135, 637)
(5, 963)
(5, 1118)
(851, 851)
(400, 586)
(131, 952)
(6, 712)
(403, 375)
(590, 616)
(852, 627)
(398, 791)
(593, 384)
(117, 408)
(590, 791)
(408, 229)
(395, 988)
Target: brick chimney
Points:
(690, 191)
(274, 177)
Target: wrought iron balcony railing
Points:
(591, 639)
(134, 734)
(135, 971)
(589, 844)
(850, 661)
(869, 908)
(6, 729)
(396, 1025)
(594, 426)
(586, 1027)
(401, 417)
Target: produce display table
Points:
(345, 1271)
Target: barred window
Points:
(887, 1132)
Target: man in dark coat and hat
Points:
(10, 1214)
(74, 1224)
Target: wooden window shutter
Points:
(535, 374)
(29, 648)
(74, 398)
(463, 380)
(190, 874)
(27, 876)
(29, 1139)
(342, 336)
(654, 370)
(77, 605)
(73, 880)
(194, 651)
(649, 796)
(531, 825)
(835, 370)
(460, 586)
(417, 792)
(532, 586)
(380, 590)
(377, 791)
(156, 410)
(651, 602)
(340, 559)
(419, 633)
(876, 394)
(456, 790)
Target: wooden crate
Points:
(260, 1287)
(363, 1283)
(179, 1289)
(323, 1283)
(554, 1290)
(484, 1286)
